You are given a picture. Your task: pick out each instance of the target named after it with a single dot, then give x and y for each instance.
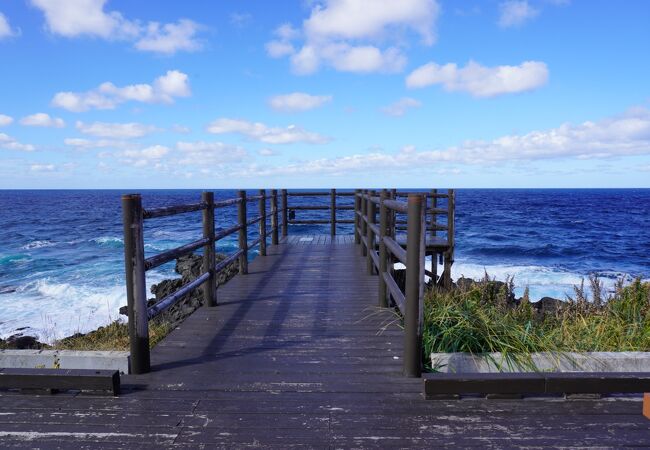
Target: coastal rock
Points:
(189, 267)
(548, 305)
(20, 342)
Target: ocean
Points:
(61, 251)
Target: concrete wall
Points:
(545, 362)
(65, 359)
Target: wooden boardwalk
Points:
(297, 355)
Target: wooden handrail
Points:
(377, 240)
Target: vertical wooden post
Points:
(357, 210)
(210, 286)
(136, 290)
(332, 212)
(285, 212)
(414, 287)
(364, 225)
(370, 263)
(434, 232)
(383, 253)
(262, 205)
(274, 216)
(243, 233)
(449, 254)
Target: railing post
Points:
(357, 210)
(210, 286)
(434, 232)
(449, 254)
(262, 205)
(285, 212)
(332, 212)
(274, 216)
(243, 233)
(370, 263)
(383, 254)
(414, 287)
(364, 225)
(136, 290)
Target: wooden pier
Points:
(299, 353)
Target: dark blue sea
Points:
(61, 253)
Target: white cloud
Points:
(164, 89)
(5, 29)
(115, 130)
(9, 143)
(624, 135)
(42, 120)
(182, 129)
(298, 101)
(5, 120)
(240, 20)
(42, 168)
(350, 35)
(144, 156)
(481, 81)
(267, 152)
(263, 133)
(514, 13)
(170, 38)
(87, 144)
(401, 106)
(210, 153)
(73, 18)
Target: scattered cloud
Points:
(145, 156)
(401, 106)
(267, 152)
(358, 36)
(240, 20)
(170, 38)
(182, 129)
(5, 120)
(42, 168)
(74, 18)
(5, 29)
(42, 120)
(88, 144)
(270, 135)
(298, 102)
(164, 89)
(514, 13)
(213, 153)
(481, 81)
(9, 143)
(625, 135)
(115, 130)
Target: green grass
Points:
(114, 336)
(479, 319)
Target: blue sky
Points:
(330, 93)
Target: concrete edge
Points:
(66, 359)
(542, 362)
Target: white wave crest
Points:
(38, 244)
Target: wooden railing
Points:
(289, 212)
(382, 248)
(136, 265)
(381, 244)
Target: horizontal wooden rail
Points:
(224, 203)
(172, 210)
(227, 232)
(175, 253)
(396, 206)
(309, 208)
(396, 249)
(171, 299)
(395, 292)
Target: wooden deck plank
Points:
(297, 355)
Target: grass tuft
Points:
(114, 336)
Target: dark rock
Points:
(20, 342)
(189, 267)
(548, 305)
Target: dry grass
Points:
(114, 336)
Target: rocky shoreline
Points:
(188, 267)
